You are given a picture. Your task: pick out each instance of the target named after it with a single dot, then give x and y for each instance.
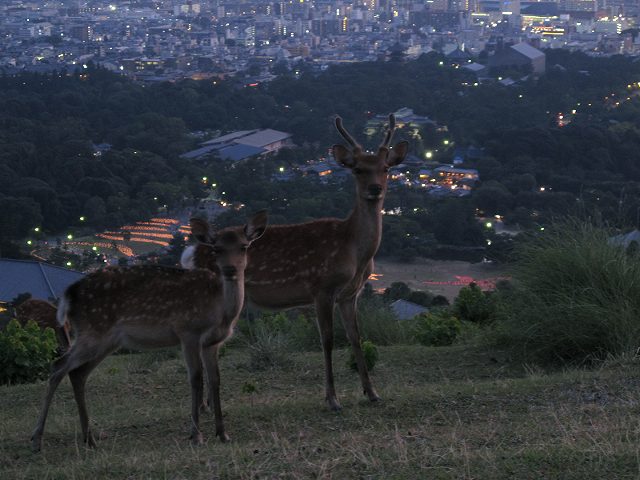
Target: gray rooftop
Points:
(239, 152)
(527, 50)
(200, 152)
(405, 310)
(228, 137)
(41, 280)
(263, 138)
(474, 67)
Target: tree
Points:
(473, 305)
(397, 290)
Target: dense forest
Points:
(532, 168)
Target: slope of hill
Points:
(457, 412)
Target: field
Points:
(454, 412)
(442, 277)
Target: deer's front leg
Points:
(191, 349)
(349, 313)
(210, 360)
(325, 305)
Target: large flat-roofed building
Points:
(520, 55)
(243, 144)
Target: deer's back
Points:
(289, 264)
(141, 296)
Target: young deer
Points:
(44, 314)
(153, 307)
(324, 262)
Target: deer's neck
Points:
(232, 298)
(365, 228)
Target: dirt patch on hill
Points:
(442, 277)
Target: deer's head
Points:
(370, 169)
(229, 246)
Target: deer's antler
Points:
(390, 130)
(346, 134)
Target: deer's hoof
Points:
(334, 404)
(90, 441)
(197, 439)
(373, 396)
(224, 438)
(36, 444)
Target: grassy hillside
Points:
(456, 412)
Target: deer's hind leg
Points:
(78, 355)
(78, 377)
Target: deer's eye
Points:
(358, 171)
(217, 250)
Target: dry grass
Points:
(448, 413)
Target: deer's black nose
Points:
(229, 271)
(375, 190)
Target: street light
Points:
(488, 224)
(37, 229)
(69, 237)
(82, 218)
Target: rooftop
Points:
(41, 280)
(263, 138)
(527, 50)
(405, 310)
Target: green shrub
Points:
(474, 305)
(378, 324)
(576, 298)
(26, 352)
(437, 328)
(370, 352)
(300, 332)
(268, 349)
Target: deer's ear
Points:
(343, 155)
(200, 230)
(256, 225)
(398, 154)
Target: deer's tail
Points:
(63, 321)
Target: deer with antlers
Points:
(325, 262)
(154, 307)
